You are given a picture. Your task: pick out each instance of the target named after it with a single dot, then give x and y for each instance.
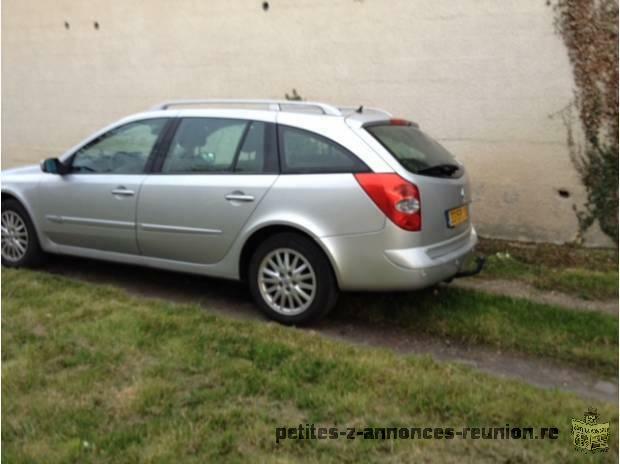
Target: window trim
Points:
(285, 170)
(162, 149)
(246, 129)
(270, 142)
(149, 160)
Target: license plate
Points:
(457, 216)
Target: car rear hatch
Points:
(441, 181)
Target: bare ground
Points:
(231, 299)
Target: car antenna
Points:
(360, 109)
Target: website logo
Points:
(589, 435)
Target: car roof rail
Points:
(353, 110)
(274, 105)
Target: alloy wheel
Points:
(14, 239)
(286, 281)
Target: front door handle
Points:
(239, 196)
(123, 191)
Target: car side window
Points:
(122, 150)
(302, 151)
(205, 145)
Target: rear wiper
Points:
(441, 169)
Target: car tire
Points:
(291, 279)
(20, 243)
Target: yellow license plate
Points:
(457, 216)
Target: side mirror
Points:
(53, 166)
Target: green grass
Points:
(583, 283)
(586, 273)
(584, 339)
(90, 374)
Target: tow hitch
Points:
(480, 261)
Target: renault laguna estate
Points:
(300, 200)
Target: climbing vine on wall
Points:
(589, 29)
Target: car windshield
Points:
(414, 150)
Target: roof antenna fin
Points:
(360, 109)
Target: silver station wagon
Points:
(300, 200)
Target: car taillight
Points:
(397, 198)
(399, 122)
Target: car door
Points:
(94, 204)
(215, 172)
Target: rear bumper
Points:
(362, 262)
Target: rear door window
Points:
(306, 152)
(416, 151)
(218, 145)
(204, 145)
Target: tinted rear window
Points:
(415, 150)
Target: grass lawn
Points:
(586, 273)
(585, 339)
(91, 374)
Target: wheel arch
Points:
(13, 195)
(262, 233)
(9, 196)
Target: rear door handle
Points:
(239, 196)
(123, 191)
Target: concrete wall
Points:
(483, 76)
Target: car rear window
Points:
(416, 151)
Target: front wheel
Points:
(291, 279)
(20, 245)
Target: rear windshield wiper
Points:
(440, 169)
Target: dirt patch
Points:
(517, 289)
(231, 299)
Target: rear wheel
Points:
(20, 245)
(291, 279)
